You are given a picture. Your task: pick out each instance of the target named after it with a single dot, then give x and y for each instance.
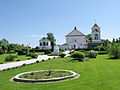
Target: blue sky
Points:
(26, 21)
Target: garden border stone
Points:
(17, 79)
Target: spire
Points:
(95, 26)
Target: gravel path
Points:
(20, 63)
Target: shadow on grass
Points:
(75, 60)
(113, 58)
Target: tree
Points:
(51, 37)
(115, 50)
(88, 36)
(113, 41)
(4, 44)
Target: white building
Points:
(76, 40)
(45, 43)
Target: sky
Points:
(27, 21)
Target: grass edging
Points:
(17, 79)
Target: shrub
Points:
(62, 50)
(47, 51)
(28, 54)
(99, 48)
(115, 51)
(11, 51)
(62, 55)
(18, 60)
(10, 58)
(32, 73)
(24, 64)
(103, 52)
(37, 61)
(23, 51)
(92, 54)
(78, 55)
(33, 55)
(43, 60)
(53, 54)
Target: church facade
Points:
(77, 40)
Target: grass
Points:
(20, 57)
(45, 74)
(96, 74)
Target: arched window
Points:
(40, 44)
(96, 36)
(75, 40)
(96, 30)
(43, 43)
(47, 43)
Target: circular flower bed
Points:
(45, 76)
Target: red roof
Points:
(28, 46)
(95, 26)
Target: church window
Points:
(75, 40)
(96, 36)
(47, 43)
(40, 44)
(96, 30)
(43, 43)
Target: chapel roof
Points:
(45, 38)
(75, 32)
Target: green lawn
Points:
(20, 57)
(97, 74)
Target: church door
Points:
(74, 46)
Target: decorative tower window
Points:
(96, 36)
(96, 30)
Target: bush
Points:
(18, 60)
(103, 52)
(92, 54)
(10, 58)
(53, 54)
(115, 51)
(43, 60)
(62, 55)
(11, 51)
(24, 64)
(37, 61)
(23, 51)
(47, 51)
(28, 54)
(33, 55)
(78, 55)
(62, 50)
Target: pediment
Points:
(75, 33)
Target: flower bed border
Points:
(17, 79)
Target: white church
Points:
(76, 40)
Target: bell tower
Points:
(95, 34)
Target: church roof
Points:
(75, 32)
(45, 38)
(95, 26)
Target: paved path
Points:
(20, 63)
